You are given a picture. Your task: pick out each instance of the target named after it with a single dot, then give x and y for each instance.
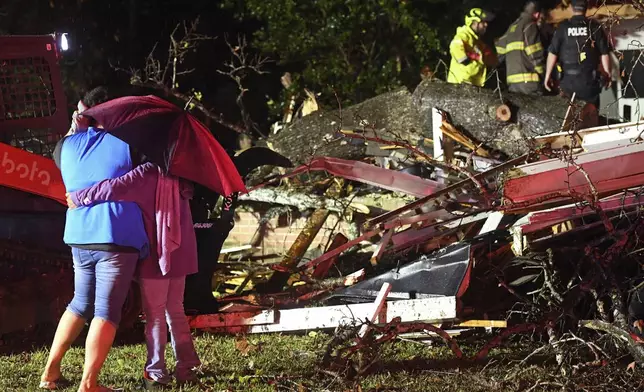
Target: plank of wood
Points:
(241, 308)
(421, 337)
(437, 136)
(483, 324)
(456, 135)
(429, 309)
(379, 304)
(330, 254)
(435, 309)
(382, 246)
(224, 320)
(592, 138)
(238, 249)
(466, 219)
(354, 277)
(301, 244)
(492, 222)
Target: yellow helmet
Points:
(478, 15)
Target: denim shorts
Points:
(101, 283)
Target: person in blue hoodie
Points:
(107, 240)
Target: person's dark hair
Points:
(96, 96)
(579, 5)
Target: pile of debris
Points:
(501, 222)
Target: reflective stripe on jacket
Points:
(522, 50)
(468, 58)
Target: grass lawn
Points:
(291, 363)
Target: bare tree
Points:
(241, 64)
(164, 72)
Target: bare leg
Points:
(80, 309)
(114, 272)
(69, 327)
(97, 347)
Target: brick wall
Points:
(280, 232)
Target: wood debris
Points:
(471, 222)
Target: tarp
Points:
(444, 273)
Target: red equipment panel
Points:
(33, 108)
(30, 173)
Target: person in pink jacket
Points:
(164, 203)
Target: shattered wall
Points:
(280, 232)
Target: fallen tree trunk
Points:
(401, 115)
(301, 201)
(370, 203)
(389, 114)
(477, 111)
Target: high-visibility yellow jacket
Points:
(469, 55)
(522, 50)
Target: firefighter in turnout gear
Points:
(580, 46)
(470, 55)
(522, 50)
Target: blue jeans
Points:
(163, 302)
(101, 283)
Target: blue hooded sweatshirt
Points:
(87, 158)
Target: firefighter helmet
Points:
(478, 15)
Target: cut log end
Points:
(503, 113)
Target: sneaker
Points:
(151, 385)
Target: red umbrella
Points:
(171, 138)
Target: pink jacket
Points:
(139, 185)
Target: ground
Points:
(292, 363)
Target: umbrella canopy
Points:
(171, 138)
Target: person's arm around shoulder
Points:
(129, 187)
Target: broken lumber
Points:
(295, 252)
(469, 110)
(456, 135)
(379, 305)
(435, 309)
